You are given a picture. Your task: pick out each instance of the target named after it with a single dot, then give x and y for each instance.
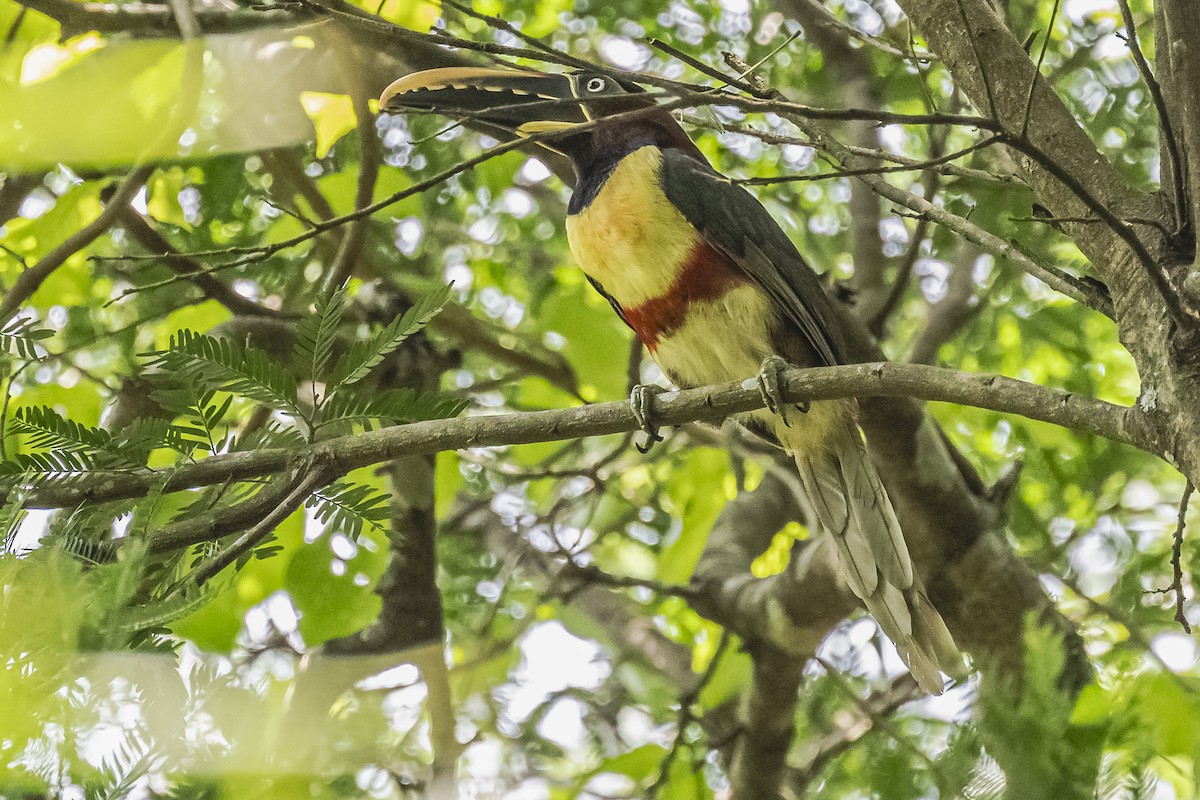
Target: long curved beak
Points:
(521, 102)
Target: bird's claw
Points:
(641, 401)
(772, 392)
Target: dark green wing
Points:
(734, 222)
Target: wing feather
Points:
(734, 222)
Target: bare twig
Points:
(300, 487)
(1176, 558)
(371, 159)
(970, 35)
(1037, 70)
(590, 573)
(1057, 279)
(185, 17)
(139, 17)
(874, 170)
(143, 232)
(1164, 117)
(874, 153)
(686, 715)
(877, 705)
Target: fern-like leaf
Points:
(164, 612)
(392, 406)
(30, 469)
(12, 514)
(346, 507)
(317, 333)
(21, 337)
(271, 435)
(365, 356)
(47, 429)
(122, 767)
(223, 365)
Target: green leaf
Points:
(638, 765)
(20, 336)
(12, 514)
(697, 497)
(346, 507)
(224, 365)
(46, 428)
(161, 613)
(732, 675)
(54, 466)
(390, 406)
(365, 356)
(332, 117)
(318, 332)
(685, 782)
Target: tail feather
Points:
(873, 509)
(825, 485)
(850, 502)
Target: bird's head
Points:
(528, 103)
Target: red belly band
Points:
(705, 276)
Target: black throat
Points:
(597, 154)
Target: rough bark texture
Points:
(994, 71)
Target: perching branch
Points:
(711, 404)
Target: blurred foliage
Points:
(123, 678)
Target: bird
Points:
(716, 292)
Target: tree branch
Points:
(1068, 285)
(152, 18)
(710, 404)
(1170, 144)
(1177, 557)
(31, 279)
(143, 232)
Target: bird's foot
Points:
(769, 386)
(641, 402)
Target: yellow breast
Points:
(630, 238)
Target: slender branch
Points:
(970, 37)
(1176, 558)
(711, 403)
(686, 715)
(370, 161)
(872, 152)
(1037, 69)
(1053, 220)
(1164, 118)
(185, 18)
(947, 316)
(591, 574)
(499, 24)
(829, 22)
(874, 170)
(877, 705)
(31, 279)
(298, 491)
(143, 232)
(154, 18)
(1057, 279)
(705, 69)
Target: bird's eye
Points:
(595, 84)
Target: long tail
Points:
(851, 503)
